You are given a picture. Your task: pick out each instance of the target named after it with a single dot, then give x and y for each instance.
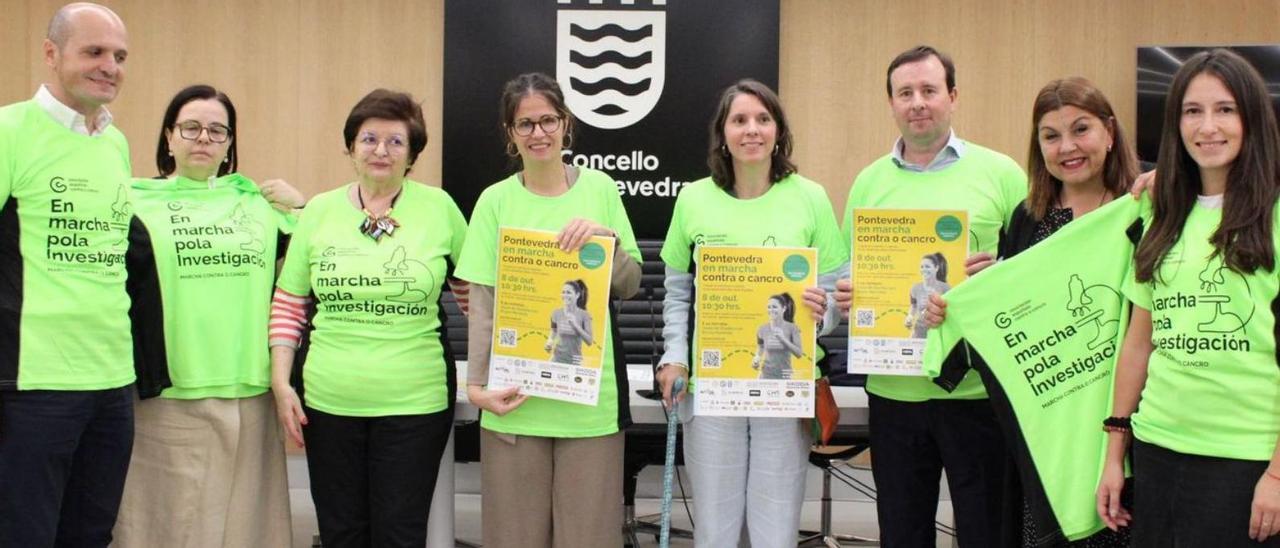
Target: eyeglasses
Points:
(190, 131)
(395, 144)
(524, 126)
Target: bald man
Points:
(67, 366)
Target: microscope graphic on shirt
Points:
(121, 212)
(1097, 307)
(1221, 318)
(250, 228)
(403, 270)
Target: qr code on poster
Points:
(865, 317)
(507, 337)
(711, 358)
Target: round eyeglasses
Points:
(524, 126)
(218, 133)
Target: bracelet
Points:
(1117, 424)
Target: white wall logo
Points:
(611, 64)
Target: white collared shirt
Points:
(950, 154)
(67, 117)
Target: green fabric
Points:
(1213, 385)
(73, 213)
(215, 244)
(794, 212)
(375, 350)
(507, 203)
(987, 184)
(1049, 323)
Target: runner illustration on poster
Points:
(933, 270)
(570, 325)
(746, 368)
(778, 340)
(549, 308)
(901, 256)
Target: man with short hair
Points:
(917, 428)
(66, 354)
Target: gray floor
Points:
(852, 512)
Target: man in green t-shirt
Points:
(66, 356)
(918, 429)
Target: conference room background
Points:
(295, 68)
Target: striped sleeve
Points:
(462, 293)
(288, 319)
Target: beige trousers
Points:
(206, 473)
(551, 492)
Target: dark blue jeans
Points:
(63, 460)
(1188, 501)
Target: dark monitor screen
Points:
(1156, 67)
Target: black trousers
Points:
(63, 460)
(1191, 500)
(911, 444)
(372, 477)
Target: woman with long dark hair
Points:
(1197, 382)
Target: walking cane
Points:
(669, 466)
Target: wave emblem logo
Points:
(611, 64)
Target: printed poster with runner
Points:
(755, 340)
(900, 257)
(549, 315)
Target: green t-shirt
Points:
(794, 212)
(376, 349)
(1048, 323)
(1213, 385)
(987, 184)
(215, 243)
(64, 311)
(508, 203)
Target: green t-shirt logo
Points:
(404, 271)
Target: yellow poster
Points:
(900, 257)
(755, 340)
(549, 315)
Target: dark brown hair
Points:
(524, 85)
(920, 53)
(384, 104)
(1243, 237)
(718, 158)
(1118, 171)
(165, 163)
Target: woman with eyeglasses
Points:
(208, 465)
(366, 267)
(552, 470)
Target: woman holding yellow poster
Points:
(552, 469)
(753, 210)
(778, 340)
(570, 325)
